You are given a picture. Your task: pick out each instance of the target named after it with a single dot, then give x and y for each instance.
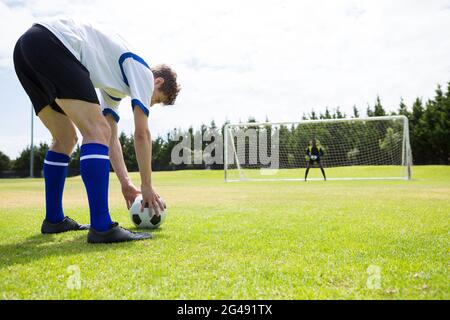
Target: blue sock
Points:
(94, 168)
(55, 172)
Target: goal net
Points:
(356, 148)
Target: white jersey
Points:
(113, 67)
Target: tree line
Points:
(429, 123)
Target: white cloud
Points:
(268, 58)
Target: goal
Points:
(356, 148)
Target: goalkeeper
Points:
(313, 154)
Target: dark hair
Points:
(170, 87)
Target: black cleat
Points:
(65, 225)
(115, 234)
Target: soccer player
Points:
(59, 63)
(313, 154)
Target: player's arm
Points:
(129, 191)
(143, 149)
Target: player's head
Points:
(313, 142)
(166, 87)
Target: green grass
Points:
(354, 172)
(248, 240)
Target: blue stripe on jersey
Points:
(111, 112)
(113, 98)
(131, 55)
(135, 102)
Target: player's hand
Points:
(151, 198)
(130, 192)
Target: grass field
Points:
(247, 240)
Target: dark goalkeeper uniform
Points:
(314, 154)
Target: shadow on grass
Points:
(43, 246)
(157, 233)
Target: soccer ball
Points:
(313, 157)
(146, 219)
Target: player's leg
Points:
(308, 165)
(94, 168)
(56, 160)
(323, 171)
(94, 161)
(62, 130)
(55, 170)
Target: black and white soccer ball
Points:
(313, 157)
(146, 219)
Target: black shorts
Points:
(317, 161)
(48, 70)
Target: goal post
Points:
(353, 148)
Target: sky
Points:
(235, 59)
